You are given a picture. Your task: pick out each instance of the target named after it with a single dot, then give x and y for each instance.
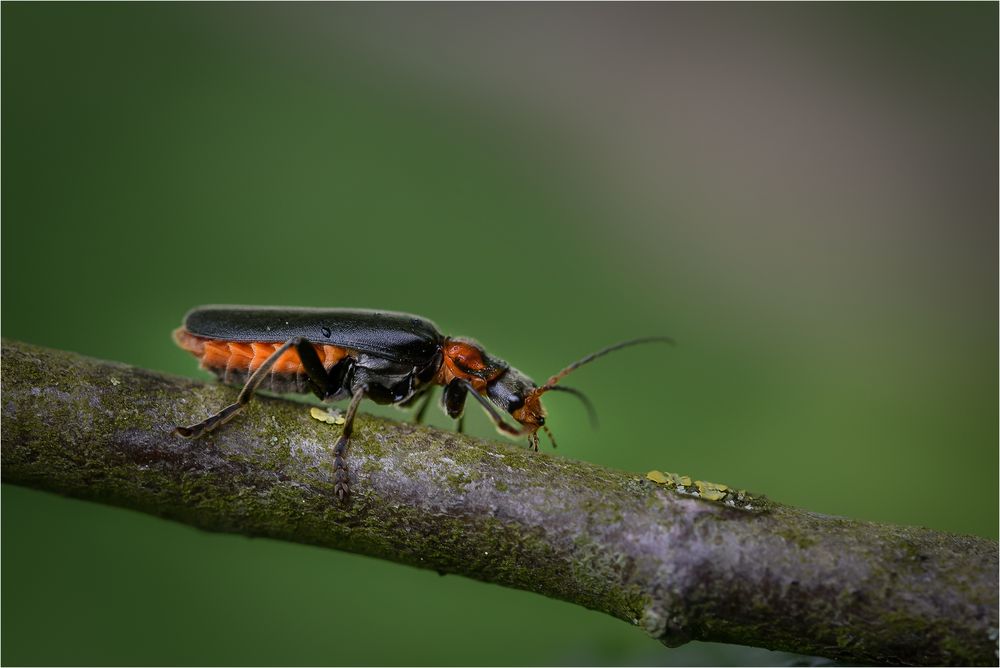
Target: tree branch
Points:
(736, 569)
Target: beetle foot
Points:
(210, 423)
(341, 484)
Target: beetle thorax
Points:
(466, 359)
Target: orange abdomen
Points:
(226, 356)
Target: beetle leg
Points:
(418, 416)
(230, 411)
(453, 398)
(341, 485)
(453, 402)
(497, 419)
(322, 382)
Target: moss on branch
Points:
(654, 552)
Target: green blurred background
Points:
(805, 196)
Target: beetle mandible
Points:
(390, 358)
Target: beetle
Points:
(387, 357)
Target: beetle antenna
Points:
(551, 383)
(591, 411)
(551, 437)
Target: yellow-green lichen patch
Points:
(710, 491)
(657, 476)
(671, 480)
(328, 417)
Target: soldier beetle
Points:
(389, 358)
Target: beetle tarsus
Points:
(213, 422)
(341, 484)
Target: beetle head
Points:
(518, 395)
(513, 392)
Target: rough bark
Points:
(660, 555)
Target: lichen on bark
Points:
(665, 559)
